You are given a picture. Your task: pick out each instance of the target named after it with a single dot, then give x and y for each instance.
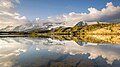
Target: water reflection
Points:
(47, 52)
(99, 39)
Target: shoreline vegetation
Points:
(96, 33)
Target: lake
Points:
(51, 52)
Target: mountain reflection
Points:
(47, 52)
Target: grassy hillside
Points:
(96, 29)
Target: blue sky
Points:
(44, 8)
(68, 12)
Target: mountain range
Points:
(36, 25)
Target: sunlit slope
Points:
(101, 29)
(95, 29)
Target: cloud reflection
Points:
(12, 48)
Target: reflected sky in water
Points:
(47, 52)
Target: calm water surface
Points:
(47, 52)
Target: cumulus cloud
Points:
(110, 13)
(9, 15)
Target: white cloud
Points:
(18, 1)
(109, 14)
(9, 15)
